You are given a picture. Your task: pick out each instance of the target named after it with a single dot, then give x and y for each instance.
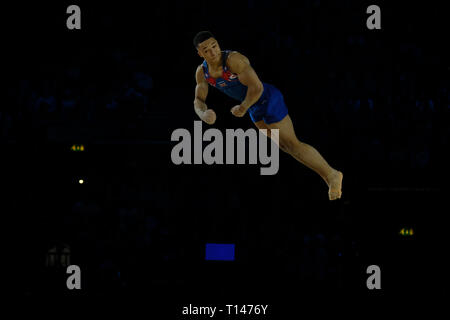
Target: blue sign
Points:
(218, 251)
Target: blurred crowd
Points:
(387, 95)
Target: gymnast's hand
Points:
(209, 116)
(238, 111)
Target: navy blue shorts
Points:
(270, 106)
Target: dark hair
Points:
(202, 36)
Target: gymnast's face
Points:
(209, 50)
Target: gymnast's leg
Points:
(306, 154)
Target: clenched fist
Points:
(238, 111)
(209, 116)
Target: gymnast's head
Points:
(207, 46)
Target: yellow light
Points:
(81, 181)
(406, 232)
(77, 147)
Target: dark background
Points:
(375, 103)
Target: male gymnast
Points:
(231, 73)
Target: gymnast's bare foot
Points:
(334, 181)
